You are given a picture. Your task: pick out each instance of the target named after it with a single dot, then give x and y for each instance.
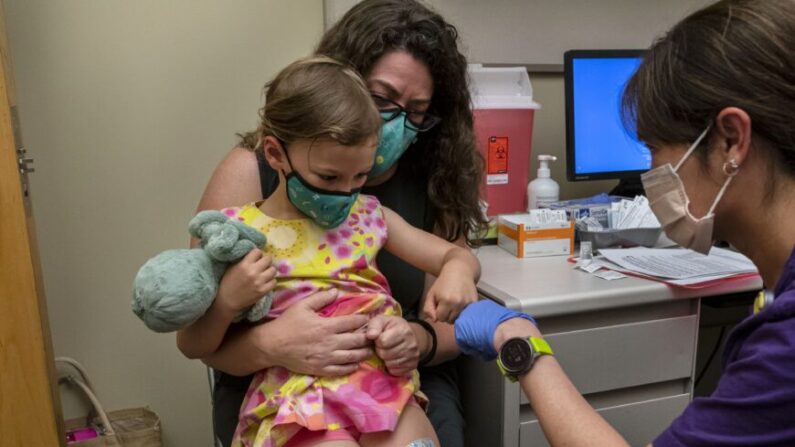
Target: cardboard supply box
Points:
(526, 238)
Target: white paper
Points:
(678, 282)
(634, 213)
(591, 267)
(680, 264)
(609, 275)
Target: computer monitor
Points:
(597, 144)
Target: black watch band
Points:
(432, 353)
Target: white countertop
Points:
(551, 286)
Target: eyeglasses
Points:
(417, 121)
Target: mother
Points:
(409, 57)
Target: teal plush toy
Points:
(176, 287)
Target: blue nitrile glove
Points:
(474, 328)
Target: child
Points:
(319, 130)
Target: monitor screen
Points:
(598, 145)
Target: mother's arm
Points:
(234, 182)
(299, 340)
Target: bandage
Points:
(424, 442)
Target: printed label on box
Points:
(545, 247)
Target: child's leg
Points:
(331, 444)
(334, 438)
(412, 426)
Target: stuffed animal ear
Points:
(198, 224)
(225, 239)
(220, 240)
(250, 233)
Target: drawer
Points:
(638, 422)
(627, 355)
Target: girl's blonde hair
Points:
(316, 98)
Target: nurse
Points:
(714, 101)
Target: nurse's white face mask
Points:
(670, 204)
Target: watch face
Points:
(516, 355)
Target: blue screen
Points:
(601, 144)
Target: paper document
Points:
(680, 264)
(609, 275)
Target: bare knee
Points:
(424, 442)
(325, 444)
(413, 430)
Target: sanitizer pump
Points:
(543, 190)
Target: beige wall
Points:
(540, 31)
(127, 106)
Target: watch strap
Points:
(505, 372)
(540, 347)
(432, 332)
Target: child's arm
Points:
(456, 268)
(242, 285)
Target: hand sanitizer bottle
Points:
(543, 190)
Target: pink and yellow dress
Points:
(280, 403)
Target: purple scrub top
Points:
(754, 402)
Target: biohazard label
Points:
(497, 161)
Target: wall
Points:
(539, 31)
(127, 107)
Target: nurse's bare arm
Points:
(565, 416)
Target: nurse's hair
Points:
(316, 98)
(734, 53)
(445, 156)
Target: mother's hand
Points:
(304, 342)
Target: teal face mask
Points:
(395, 139)
(328, 209)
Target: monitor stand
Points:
(628, 187)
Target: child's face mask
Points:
(328, 209)
(394, 140)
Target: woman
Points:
(713, 100)
(409, 57)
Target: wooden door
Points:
(30, 410)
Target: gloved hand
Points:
(474, 328)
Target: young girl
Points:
(319, 130)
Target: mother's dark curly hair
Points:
(446, 155)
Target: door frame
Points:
(30, 408)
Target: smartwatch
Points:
(518, 354)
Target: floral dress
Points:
(279, 403)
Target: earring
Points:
(731, 168)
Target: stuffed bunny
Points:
(176, 287)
